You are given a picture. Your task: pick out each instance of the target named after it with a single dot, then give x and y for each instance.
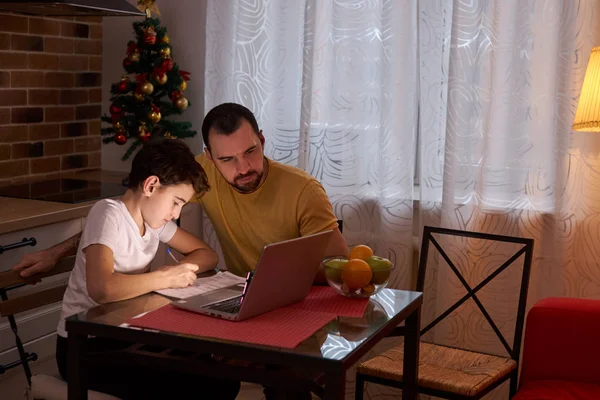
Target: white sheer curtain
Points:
(499, 88)
(334, 88)
(486, 90)
(500, 81)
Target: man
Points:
(255, 201)
(252, 201)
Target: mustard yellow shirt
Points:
(290, 203)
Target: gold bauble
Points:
(165, 39)
(165, 52)
(147, 88)
(183, 85)
(118, 127)
(169, 136)
(134, 57)
(161, 79)
(181, 103)
(154, 116)
(139, 96)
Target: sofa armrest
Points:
(562, 341)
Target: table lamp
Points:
(587, 117)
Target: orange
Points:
(361, 251)
(356, 274)
(369, 289)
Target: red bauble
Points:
(115, 110)
(120, 138)
(149, 39)
(126, 63)
(167, 64)
(174, 95)
(150, 36)
(144, 135)
(123, 86)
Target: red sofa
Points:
(561, 353)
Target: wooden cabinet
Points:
(37, 329)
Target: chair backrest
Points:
(561, 341)
(34, 296)
(526, 250)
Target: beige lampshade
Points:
(587, 117)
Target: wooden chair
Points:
(449, 372)
(30, 297)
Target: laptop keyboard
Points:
(230, 305)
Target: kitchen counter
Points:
(17, 214)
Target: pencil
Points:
(172, 256)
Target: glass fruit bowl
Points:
(355, 279)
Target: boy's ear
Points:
(261, 138)
(207, 151)
(150, 185)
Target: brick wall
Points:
(50, 95)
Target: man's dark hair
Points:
(171, 161)
(225, 119)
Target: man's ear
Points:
(151, 184)
(207, 151)
(261, 138)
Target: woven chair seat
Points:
(442, 368)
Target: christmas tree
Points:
(150, 91)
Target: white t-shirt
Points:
(109, 223)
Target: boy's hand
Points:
(34, 263)
(180, 276)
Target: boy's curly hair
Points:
(172, 161)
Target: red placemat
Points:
(326, 300)
(284, 327)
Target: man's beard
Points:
(248, 187)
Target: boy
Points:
(119, 241)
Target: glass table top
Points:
(334, 341)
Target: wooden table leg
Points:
(76, 376)
(412, 339)
(335, 385)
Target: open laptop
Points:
(284, 275)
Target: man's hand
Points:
(35, 263)
(180, 275)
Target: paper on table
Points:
(204, 285)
